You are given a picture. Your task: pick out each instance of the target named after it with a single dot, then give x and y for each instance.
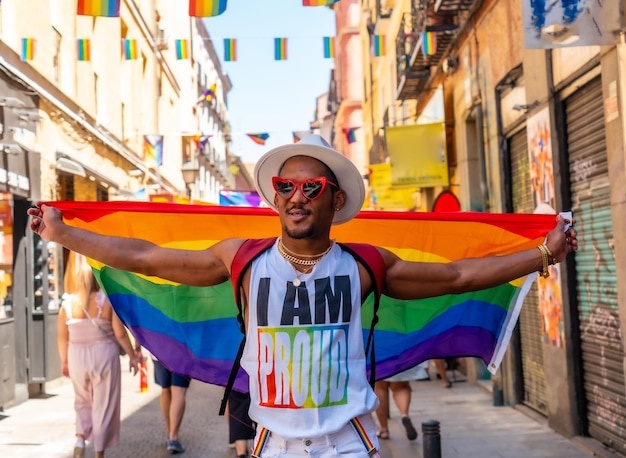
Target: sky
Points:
(277, 97)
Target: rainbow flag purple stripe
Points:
(194, 330)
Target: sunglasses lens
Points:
(284, 188)
(312, 189)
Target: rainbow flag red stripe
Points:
(173, 320)
(280, 49)
(206, 8)
(108, 8)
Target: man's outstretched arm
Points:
(414, 280)
(190, 267)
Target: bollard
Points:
(143, 375)
(431, 439)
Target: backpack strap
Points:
(249, 250)
(371, 259)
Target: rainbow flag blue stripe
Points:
(194, 330)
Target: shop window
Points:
(6, 256)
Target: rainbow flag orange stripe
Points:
(28, 49)
(83, 49)
(108, 8)
(172, 320)
(280, 49)
(230, 49)
(206, 8)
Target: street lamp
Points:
(190, 174)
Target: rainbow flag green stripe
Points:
(194, 330)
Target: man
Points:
(297, 355)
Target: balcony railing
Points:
(445, 19)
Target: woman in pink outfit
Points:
(89, 337)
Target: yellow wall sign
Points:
(417, 154)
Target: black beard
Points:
(300, 234)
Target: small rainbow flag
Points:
(350, 133)
(429, 43)
(280, 49)
(379, 45)
(108, 8)
(153, 150)
(182, 49)
(194, 330)
(230, 49)
(28, 49)
(208, 94)
(329, 47)
(206, 8)
(318, 2)
(259, 139)
(129, 48)
(83, 49)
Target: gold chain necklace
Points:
(309, 263)
(297, 258)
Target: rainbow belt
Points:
(356, 424)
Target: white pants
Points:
(345, 443)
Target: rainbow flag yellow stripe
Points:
(280, 49)
(28, 49)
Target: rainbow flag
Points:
(350, 133)
(129, 48)
(280, 49)
(153, 150)
(329, 47)
(208, 94)
(28, 49)
(83, 49)
(259, 139)
(429, 43)
(194, 331)
(108, 8)
(206, 8)
(318, 2)
(230, 49)
(182, 49)
(379, 45)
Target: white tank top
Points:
(304, 348)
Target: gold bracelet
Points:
(551, 258)
(545, 273)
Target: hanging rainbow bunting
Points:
(108, 8)
(194, 331)
(259, 139)
(153, 150)
(429, 43)
(350, 133)
(208, 94)
(206, 8)
(182, 49)
(318, 2)
(329, 47)
(230, 49)
(280, 49)
(28, 49)
(379, 45)
(129, 48)
(83, 46)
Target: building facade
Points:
(79, 98)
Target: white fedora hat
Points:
(313, 145)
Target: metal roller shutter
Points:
(596, 287)
(531, 343)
